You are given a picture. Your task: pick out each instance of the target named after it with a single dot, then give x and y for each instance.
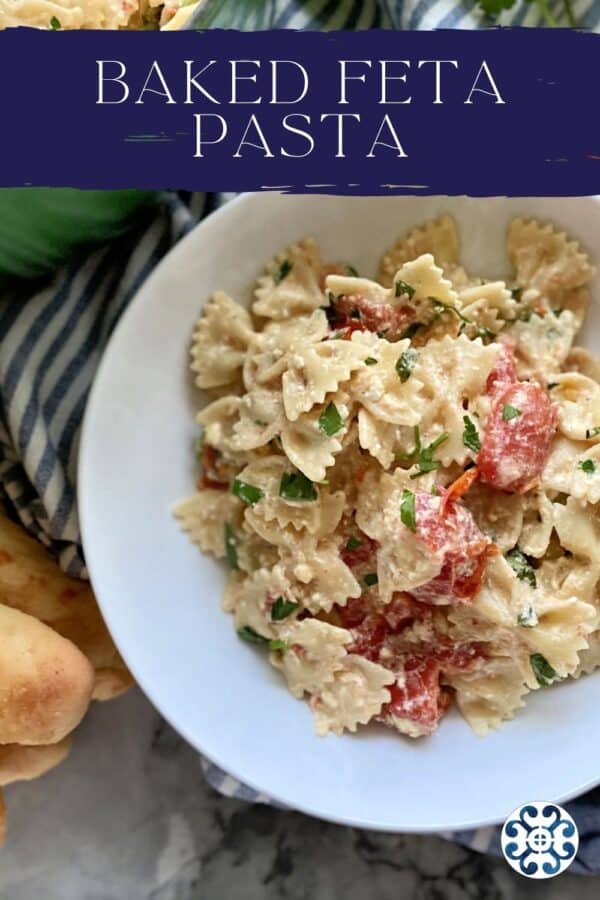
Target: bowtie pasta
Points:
(403, 475)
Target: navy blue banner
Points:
(454, 112)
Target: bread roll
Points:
(32, 582)
(46, 683)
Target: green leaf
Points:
(370, 361)
(284, 270)
(471, 435)
(351, 271)
(55, 24)
(510, 412)
(353, 543)
(330, 420)
(249, 493)
(412, 329)
(426, 462)
(282, 608)
(230, 547)
(253, 637)
(448, 307)
(406, 363)
(587, 465)
(542, 669)
(401, 287)
(528, 618)
(278, 644)
(521, 567)
(592, 432)
(371, 579)
(551, 385)
(558, 312)
(296, 486)
(516, 293)
(408, 514)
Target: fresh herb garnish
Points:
(296, 486)
(510, 412)
(253, 637)
(351, 271)
(330, 420)
(521, 567)
(558, 312)
(230, 547)
(592, 432)
(471, 438)
(283, 271)
(408, 514)
(353, 543)
(542, 669)
(55, 24)
(525, 314)
(282, 608)
(248, 493)
(370, 361)
(371, 579)
(528, 618)
(552, 384)
(587, 465)
(401, 287)
(448, 307)
(516, 293)
(406, 363)
(425, 461)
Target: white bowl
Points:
(161, 596)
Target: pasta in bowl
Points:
(401, 474)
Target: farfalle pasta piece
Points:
(573, 467)
(204, 515)
(546, 260)
(312, 442)
(589, 659)
(438, 237)
(426, 280)
(498, 515)
(577, 530)
(319, 576)
(378, 437)
(251, 599)
(260, 418)
(568, 576)
(354, 696)
(581, 360)
(488, 306)
(292, 283)
(315, 652)
(537, 523)
(381, 389)
(491, 696)
(543, 343)
(219, 420)
(578, 401)
(315, 370)
(266, 357)
(220, 341)
(349, 285)
(277, 519)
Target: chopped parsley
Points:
(253, 637)
(371, 579)
(521, 566)
(592, 432)
(283, 271)
(558, 312)
(412, 329)
(471, 438)
(230, 547)
(351, 271)
(353, 543)
(525, 314)
(542, 669)
(587, 465)
(528, 618)
(330, 420)
(370, 361)
(402, 287)
(55, 24)
(408, 514)
(516, 293)
(440, 306)
(406, 363)
(510, 412)
(282, 608)
(296, 486)
(551, 385)
(248, 493)
(425, 460)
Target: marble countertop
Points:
(129, 817)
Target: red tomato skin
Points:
(359, 313)
(417, 696)
(504, 372)
(514, 452)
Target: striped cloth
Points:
(52, 339)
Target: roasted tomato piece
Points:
(455, 659)
(517, 438)
(354, 611)
(358, 313)
(504, 372)
(210, 477)
(359, 549)
(417, 700)
(369, 637)
(448, 527)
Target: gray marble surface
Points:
(129, 817)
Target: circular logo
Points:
(539, 839)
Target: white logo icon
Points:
(539, 839)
